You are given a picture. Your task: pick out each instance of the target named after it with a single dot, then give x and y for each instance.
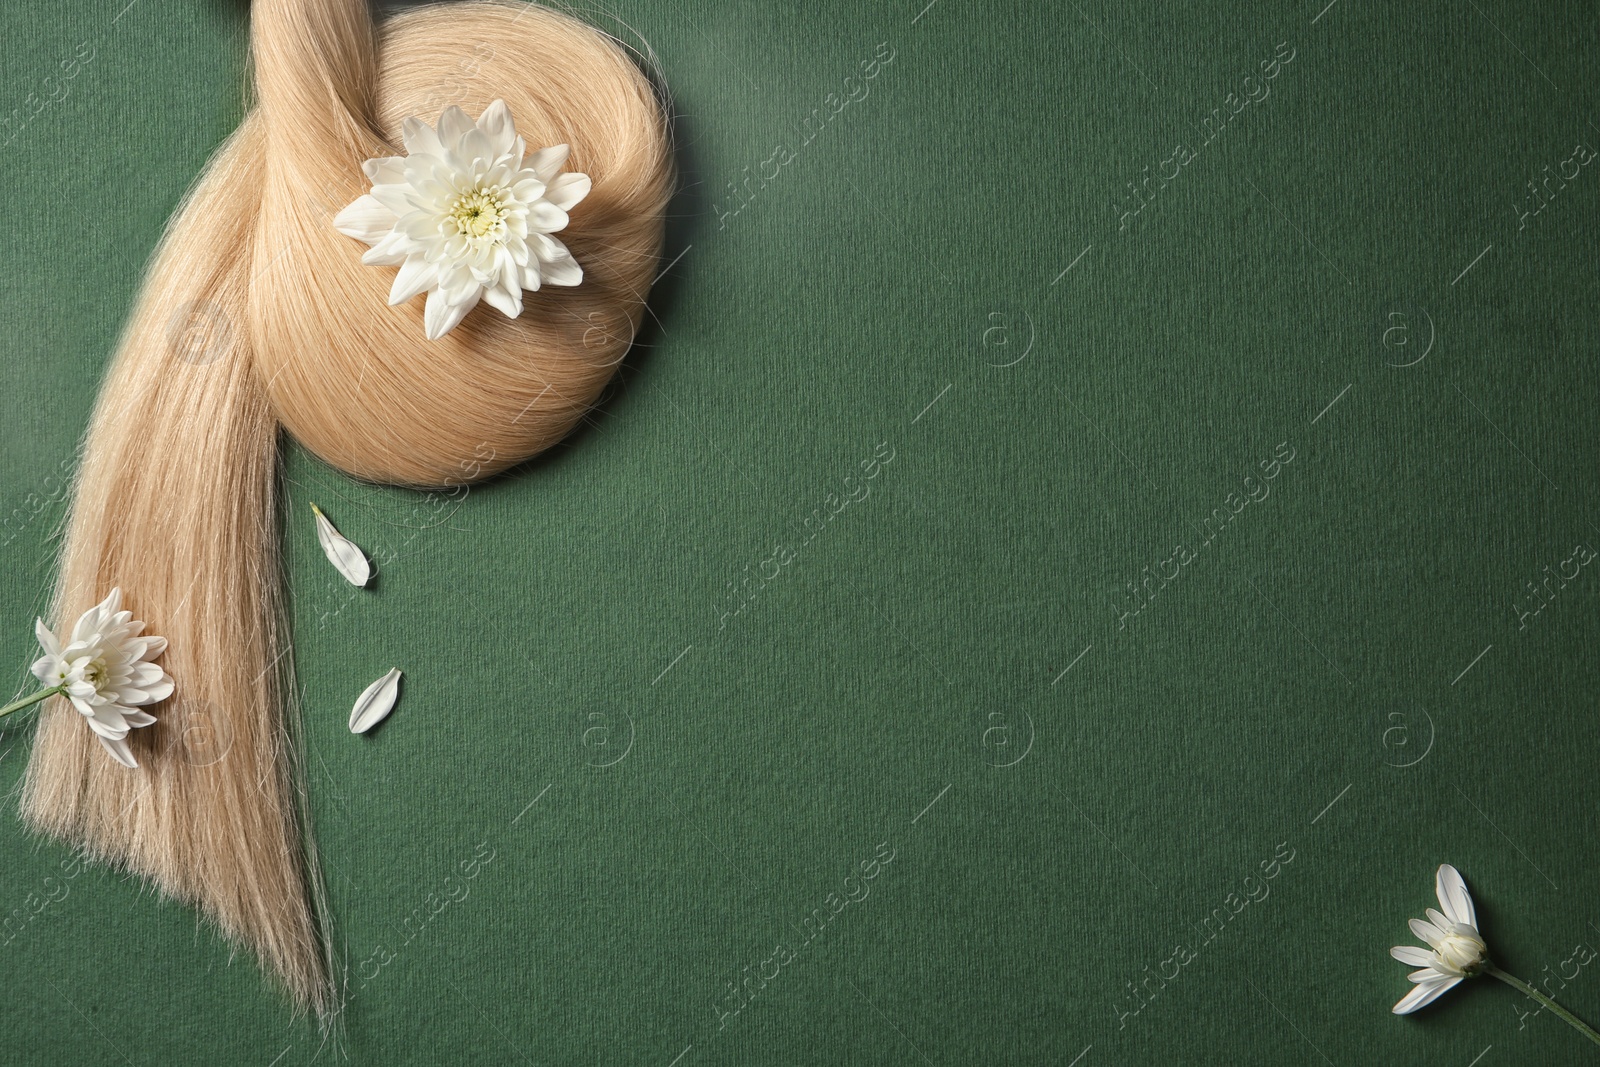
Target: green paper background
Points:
(652, 799)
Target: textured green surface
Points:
(940, 675)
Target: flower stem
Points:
(26, 701)
(1527, 990)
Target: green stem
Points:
(26, 701)
(1527, 990)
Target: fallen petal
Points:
(374, 705)
(341, 551)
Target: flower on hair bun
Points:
(465, 217)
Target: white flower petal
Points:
(1424, 994)
(45, 669)
(546, 217)
(1412, 956)
(419, 137)
(434, 186)
(375, 703)
(389, 252)
(1426, 974)
(528, 187)
(547, 162)
(138, 648)
(395, 198)
(462, 286)
(385, 170)
(546, 247)
(139, 718)
(496, 123)
(419, 225)
(367, 219)
(416, 275)
(88, 625)
(450, 251)
(346, 558)
(506, 301)
(107, 722)
(1427, 932)
(563, 270)
(440, 316)
(475, 148)
(453, 127)
(1439, 919)
(1453, 896)
(145, 675)
(47, 640)
(155, 692)
(500, 174)
(510, 275)
(568, 189)
(530, 277)
(118, 747)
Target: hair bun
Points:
(355, 380)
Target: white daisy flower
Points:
(105, 670)
(1456, 951)
(465, 217)
(1455, 948)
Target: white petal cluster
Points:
(106, 671)
(465, 217)
(1455, 948)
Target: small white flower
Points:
(1457, 948)
(105, 670)
(464, 216)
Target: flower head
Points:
(465, 217)
(1457, 949)
(105, 670)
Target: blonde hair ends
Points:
(256, 313)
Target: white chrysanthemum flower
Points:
(465, 217)
(1457, 949)
(105, 670)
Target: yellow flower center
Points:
(478, 213)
